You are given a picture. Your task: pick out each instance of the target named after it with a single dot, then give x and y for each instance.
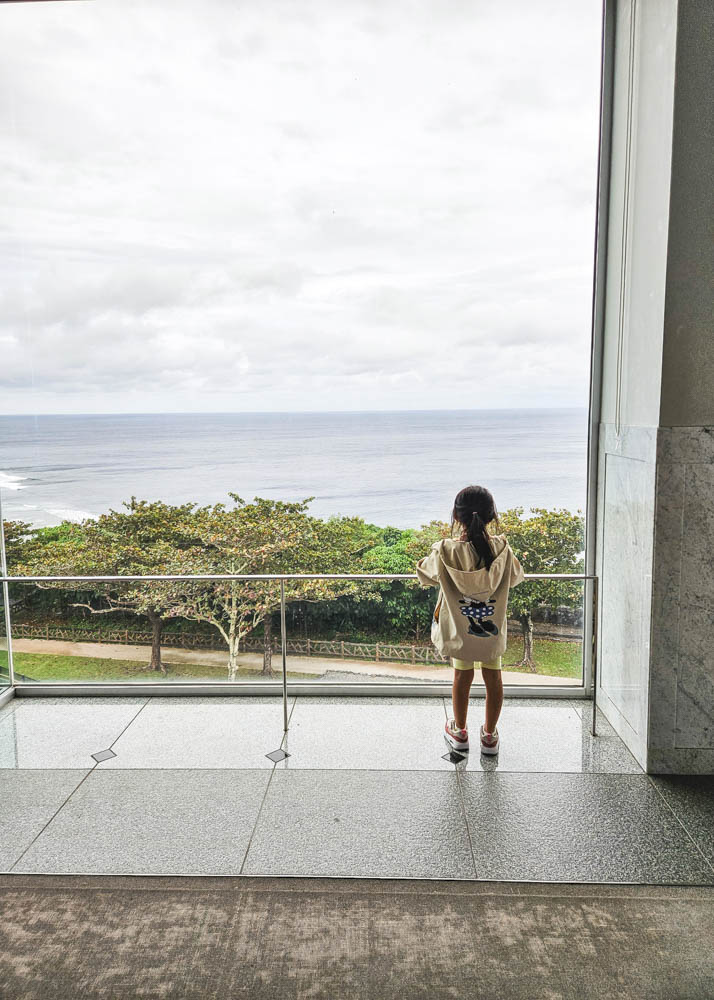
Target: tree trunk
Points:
(157, 624)
(232, 660)
(527, 625)
(268, 646)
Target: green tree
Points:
(548, 541)
(262, 537)
(140, 541)
(19, 540)
(402, 606)
(423, 539)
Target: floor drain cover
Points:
(453, 757)
(103, 755)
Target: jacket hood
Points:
(474, 582)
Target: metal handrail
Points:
(265, 576)
(282, 578)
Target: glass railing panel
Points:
(68, 632)
(545, 634)
(148, 632)
(371, 632)
(117, 633)
(381, 634)
(228, 631)
(337, 632)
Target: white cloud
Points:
(255, 206)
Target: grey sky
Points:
(268, 205)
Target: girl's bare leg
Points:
(494, 697)
(460, 695)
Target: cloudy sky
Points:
(266, 205)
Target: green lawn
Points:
(553, 659)
(42, 667)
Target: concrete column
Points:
(656, 452)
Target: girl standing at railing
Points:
(474, 573)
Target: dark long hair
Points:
(474, 508)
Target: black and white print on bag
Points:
(478, 613)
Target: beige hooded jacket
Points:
(470, 616)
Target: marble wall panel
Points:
(655, 547)
(664, 666)
(697, 575)
(694, 727)
(626, 587)
(638, 443)
(687, 445)
(681, 709)
(679, 761)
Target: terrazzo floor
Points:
(366, 791)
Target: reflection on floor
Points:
(366, 790)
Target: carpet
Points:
(223, 937)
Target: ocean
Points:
(391, 468)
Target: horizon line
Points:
(167, 413)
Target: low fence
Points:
(329, 648)
(413, 653)
(127, 636)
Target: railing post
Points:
(284, 649)
(342, 648)
(376, 652)
(593, 661)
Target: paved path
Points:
(296, 664)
